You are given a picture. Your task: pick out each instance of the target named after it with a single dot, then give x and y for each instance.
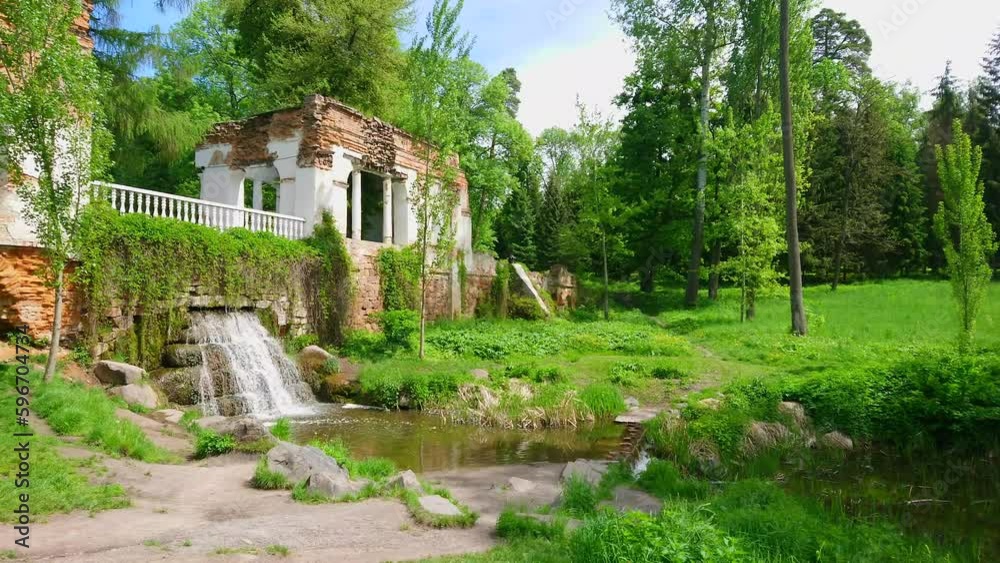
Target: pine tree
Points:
(516, 240)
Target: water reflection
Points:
(428, 443)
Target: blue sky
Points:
(563, 49)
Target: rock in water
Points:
(838, 441)
(117, 373)
(519, 485)
(298, 463)
(406, 480)
(313, 357)
(439, 506)
(182, 356)
(334, 485)
(590, 471)
(244, 428)
(138, 394)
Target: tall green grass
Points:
(78, 410)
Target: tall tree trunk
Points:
(604, 252)
(698, 238)
(713, 277)
(799, 326)
(50, 365)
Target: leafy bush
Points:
(266, 479)
(399, 328)
(667, 372)
(603, 400)
(529, 372)
(209, 443)
(663, 479)
(527, 308)
(298, 343)
(282, 429)
(627, 374)
(391, 388)
(362, 344)
(399, 278)
(680, 533)
(934, 398)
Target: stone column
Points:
(387, 210)
(258, 195)
(356, 205)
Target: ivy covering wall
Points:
(399, 278)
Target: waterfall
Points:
(264, 382)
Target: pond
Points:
(424, 442)
(954, 499)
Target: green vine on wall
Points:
(463, 278)
(331, 285)
(399, 278)
(501, 288)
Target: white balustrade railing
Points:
(127, 199)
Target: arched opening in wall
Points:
(260, 189)
(372, 207)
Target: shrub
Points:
(667, 372)
(935, 398)
(663, 479)
(301, 342)
(399, 278)
(626, 374)
(536, 374)
(399, 328)
(209, 444)
(603, 400)
(527, 308)
(680, 533)
(391, 388)
(265, 478)
(282, 429)
(362, 344)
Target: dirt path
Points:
(189, 512)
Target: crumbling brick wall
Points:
(25, 298)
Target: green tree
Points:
(347, 49)
(436, 97)
(48, 104)
(962, 227)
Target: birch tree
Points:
(51, 139)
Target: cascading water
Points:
(264, 380)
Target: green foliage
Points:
(931, 400)
(209, 443)
(578, 497)
(514, 526)
(399, 278)
(523, 307)
(264, 478)
(374, 468)
(604, 401)
(961, 225)
(663, 479)
(392, 388)
(330, 285)
(536, 374)
(680, 533)
(282, 429)
(362, 344)
(296, 344)
(501, 289)
(77, 410)
(146, 262)
(399, 328)
(627, 374)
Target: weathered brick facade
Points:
(25, 298)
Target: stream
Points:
(425, 443)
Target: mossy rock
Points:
(182, 356)
(180, 385)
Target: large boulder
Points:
(438, 506)
(182, 356)
(837, 441)
(243, 429)
(298, 463)
(117, 373)
(139, 394)
(312, 358)
(796, 412)
(231, 405)
(762, 436)
(182, 386)
(590, 471)
(334, 485)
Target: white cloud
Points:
(553, 77)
